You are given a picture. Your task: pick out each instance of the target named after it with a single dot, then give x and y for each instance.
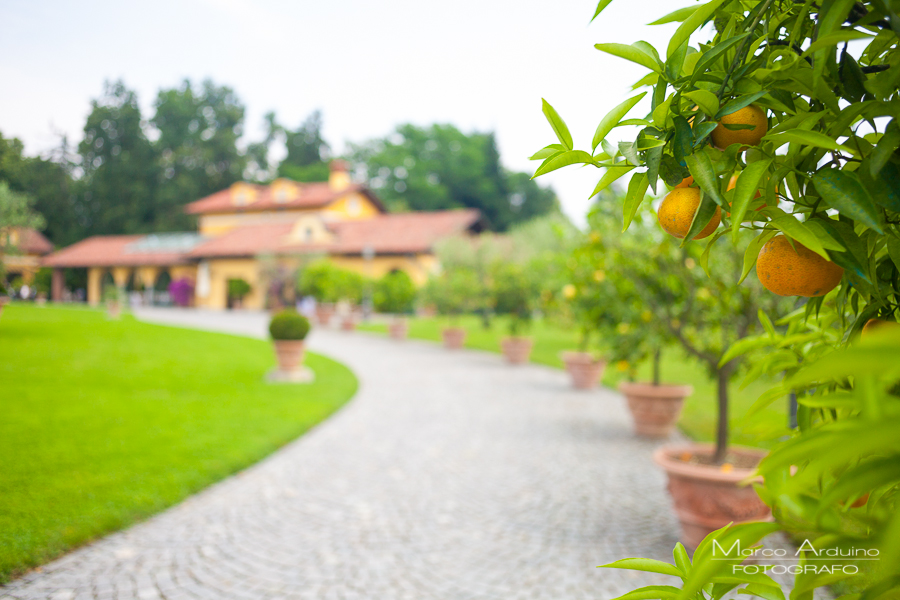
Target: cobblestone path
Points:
(450, 476)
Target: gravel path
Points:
(450, 476)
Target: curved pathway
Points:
(450, 476)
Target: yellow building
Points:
(23, 248)
(251, 231)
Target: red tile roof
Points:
(386, 234)
(311, 195)
(111, 251)
(32, 241)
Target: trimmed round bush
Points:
(289, 325)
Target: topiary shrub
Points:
(289, 325)
(238, 288)
(395, 293)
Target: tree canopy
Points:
(440, 167)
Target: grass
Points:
(107, 422)
(698, 421)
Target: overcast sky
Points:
(479, 64)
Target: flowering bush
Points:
(182, 291)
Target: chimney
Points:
(339, 178)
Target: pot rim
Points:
(662, 456)
(577, 356)
(663, 390)
(288, 342)
(453, 329)
(517, 338)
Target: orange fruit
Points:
(873, 324)
(788, 272)
(749, 115)
(677, 211)
(686, 182)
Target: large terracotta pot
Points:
(348, 323)
(398, 329)
(655, 408)
(324, 312)
(516, 350)
(584, 369)
(289, 354)
(113, 309)
(706, 497)
(454, 337)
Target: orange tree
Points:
(796, 103)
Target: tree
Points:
(307, 151)
(117, 191)
(49, 182)
(439, 167)
(394, 293)
(831, 190)
(197, 146)
(16, 210)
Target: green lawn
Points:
(699, 418)
(107, 422)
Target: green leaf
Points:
(691, 24)
(705, 211)
(683, 143)
(752, 252)
(714, 53)
(796, 230)
(862, 478)
(558, 125)
(631, 53)
(763, 591)
(703, 172)
(807, 138)
(833, 39)
(651, 592)
(766, 323)
(765, 399)
(564, 159)
(707, 101)
(653, 157)
(676, 16)
(612, 173)
(547, 152)
(644, 564)
(893, 247)
(702, 130)
(843, 191)
(744, 191)
(613, 117)
(883, 187)
(743, 346)
(637, 189)
(600, 6)
(682, 559)
(885, 148)
(739, 103)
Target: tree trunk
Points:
(722, 376)
(656, 360)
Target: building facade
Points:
(252, 232)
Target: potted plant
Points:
(349, 290)
(452, 295)
(112, 296)
(237, 289)
(514, 297)
(289, 329)
(319, 280)
(395, 294)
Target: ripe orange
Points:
(686, 182)
(677, 211)
(801, 272)
(749, 115)
(873, 324)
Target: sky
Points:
(368, 66)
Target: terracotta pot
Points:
(655, 408)
(584, 369)
(705, 497)
(516, 350)
(113, 309)
(324, 313)
(454, 337)
(348, 323)
(398, 329)
(289, 354)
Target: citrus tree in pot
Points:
(289, 329)
(395, 294)
(453, 293)
(514, 297)
(237, 289)
(319, 280)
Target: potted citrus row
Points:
(395, 294)
(514, 297)
(288, 329)
(318, 280)
(452, 294)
